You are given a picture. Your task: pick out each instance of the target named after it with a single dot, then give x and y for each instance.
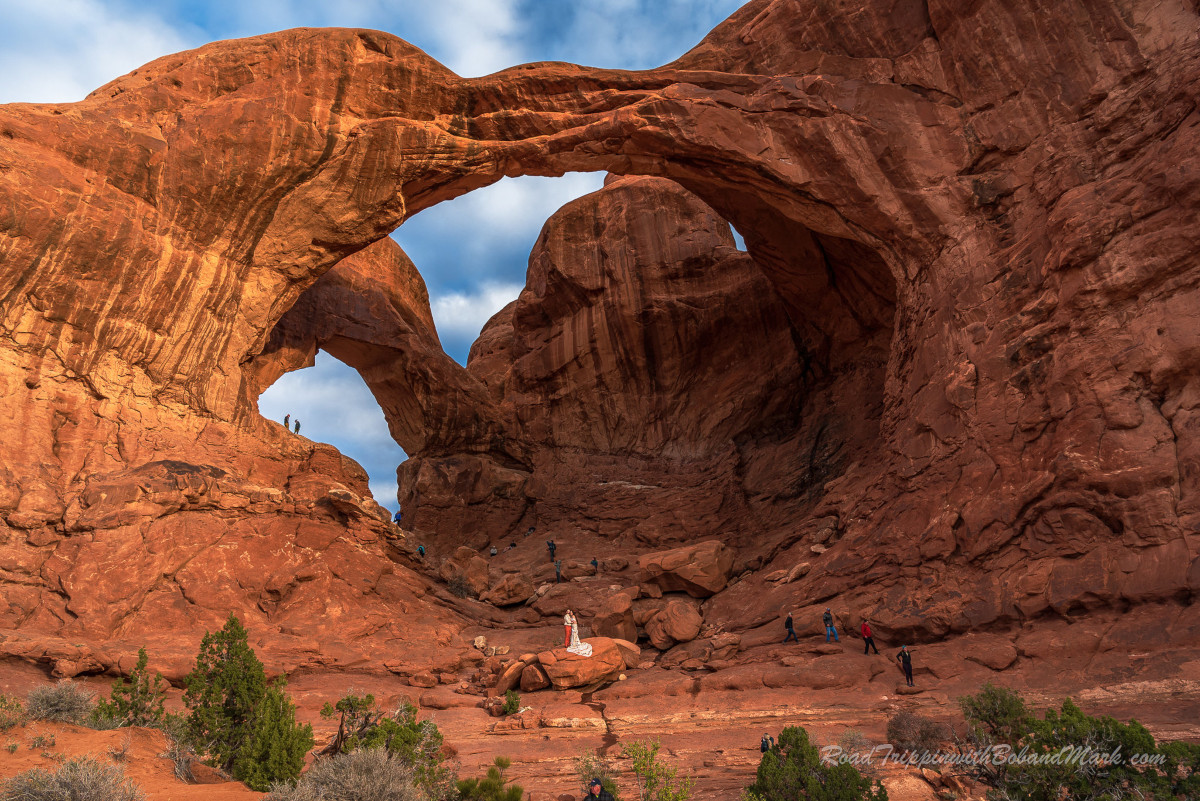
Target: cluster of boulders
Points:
(663, 608)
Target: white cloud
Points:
(59, 52)
(461, 315)
(334, 405)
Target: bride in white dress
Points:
(576, 647)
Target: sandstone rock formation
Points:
(567, 670)
(700, 570)
(954, 373)
(675, 623)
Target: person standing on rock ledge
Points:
(905, 660)
(595, 566)
(551, 547)
(827, 619)
(867, 639)
(297, 426)
(558, 572)
(286, 418)
(791, 635)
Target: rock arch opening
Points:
(334, 405)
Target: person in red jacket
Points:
(866, 633)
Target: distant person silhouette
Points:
(396, 519)
(558, 571)
(595, 566)
(905, 660)
(286, 418)
(791, 630)
(551, 547)
(297, 426)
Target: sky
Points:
(472, 251)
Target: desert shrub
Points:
(995, 714)
(82, 779)
(793, 770)
(512, 703)
(136, 701)
(179, 748)
(493, 786)
(594, 765)
(364, 775)
(458, 585)
(654, 780)
(416, 743)
(277, 745)
(999, 717)
(236, 721)
(12, 713)
(854, 742)
(908, 731)
(64, 702)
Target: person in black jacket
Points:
(905, 660)
(791, 631)
(596, 790)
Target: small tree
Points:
(277, 745)
(593, 765)
(995, 715)
(492, 786)
(223, 692)
(655, 781)
(136, 701)
(1074, 756)
(416, 743)
(512, 703)
(793, 770)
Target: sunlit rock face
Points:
(954, 373)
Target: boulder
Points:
(423, 679)
(700, 570)
(676, 622)
(514, 588)
(629, 652)
(510, 677)
(533, 678)
(725, 646)
(614, 618)
(991, 652)
(566, 670)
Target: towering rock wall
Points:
(980, 221)
(652, 375)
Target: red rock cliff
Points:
(983, 215)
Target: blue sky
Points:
(472, 251)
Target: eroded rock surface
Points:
(953, 376)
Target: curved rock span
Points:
(951, 383)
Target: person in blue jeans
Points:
(827, 619)
(791, 632)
